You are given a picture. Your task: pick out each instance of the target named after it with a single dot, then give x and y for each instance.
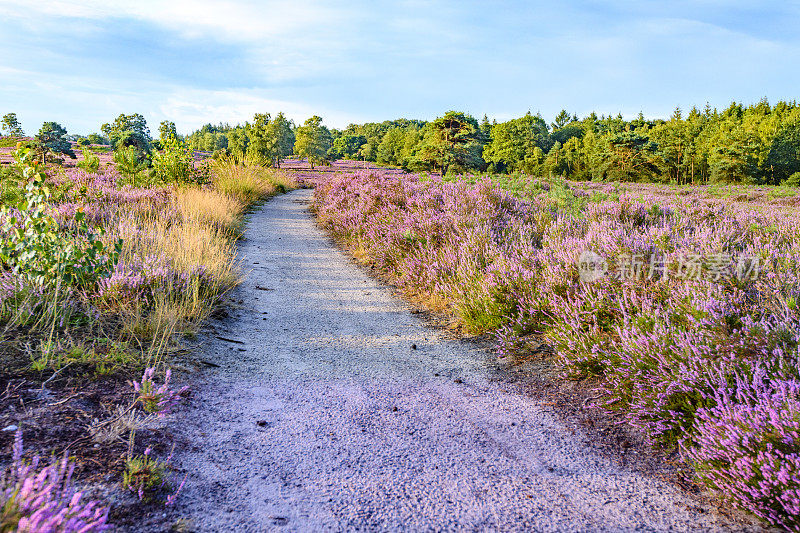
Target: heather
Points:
(44, 499)
(690, 326)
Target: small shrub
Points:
(145, 475)
(156, 399)
(130, 162)
(793, 180)
(175, 164)
(747, 447)
(90, 163)
(37, 250)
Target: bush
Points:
(145, 475)
(38, 251)
(748, 448)
(90, 163)
(793, 180)
(175, 164)
(130, 161)
(45, 500)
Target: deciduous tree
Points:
(313, 140)
(282, 132)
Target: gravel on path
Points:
(337, 409)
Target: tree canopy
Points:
(51, 139)
(129, 130)
(759, 143)
(313, 140)
(452, 142)
(11, 126)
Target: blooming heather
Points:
(157, 399)
(44, 500)
(700, 293)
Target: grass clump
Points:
(249, 184)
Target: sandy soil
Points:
(335, 408)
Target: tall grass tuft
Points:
(249, 184)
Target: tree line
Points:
(755, 144)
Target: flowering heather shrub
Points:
(157, 399)
(44, 500)
(666, 344)
(747, 446)
(101, 199)
(145, 279)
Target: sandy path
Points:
(325, 418)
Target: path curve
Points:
(325, 417)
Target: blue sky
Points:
(81, 63)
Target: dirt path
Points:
(323, 416)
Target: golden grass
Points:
(186, 243)
(211, 207)
(249, 183)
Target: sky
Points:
(82, 63)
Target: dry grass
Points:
(210, 207)
(249, 184)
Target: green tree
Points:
(51, 139)
(555, 164)
(564, 134)
(513, 142)
(175, 163)
(391, 147)
(237, 143)
(346, 146)
(562, 119)
(167, 131)
(313, 140)
(673, 144)
(452, 142)
(95, 138)
(129, 162)
(735, 158)
(10, 124)
(411, 145)
(575, 158)
(784, 155)
(629, 156)
(281, 131)
(263, 144)
(129, 130)
(486, 129)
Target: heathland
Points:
(656, 260)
